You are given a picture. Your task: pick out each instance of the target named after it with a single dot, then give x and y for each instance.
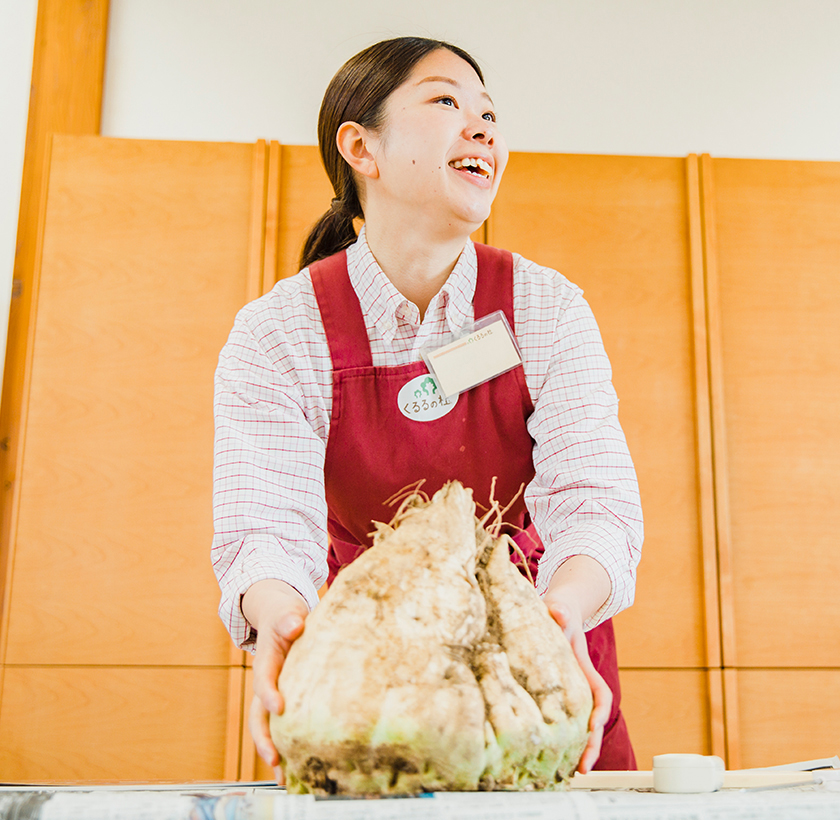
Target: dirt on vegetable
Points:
(431, 665)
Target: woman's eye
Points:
(446, 100)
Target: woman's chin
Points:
(473, 216)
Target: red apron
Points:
(374, 451)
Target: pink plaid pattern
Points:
(274, 398)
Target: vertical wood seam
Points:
(721, 463)
(703, 422)
(705, 461)
(271, 273)
(233, 739)
(718, 414)
(717, 712)
(248, 752)
(732, 717)
(256, 242)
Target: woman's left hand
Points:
(573, 581)
(572, 625)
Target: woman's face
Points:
(439, 154)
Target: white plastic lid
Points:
(687, 773)
(680, 761)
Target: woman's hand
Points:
(571, 589)
(277, 611)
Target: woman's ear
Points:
(353, 141)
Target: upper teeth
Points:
(474, 162)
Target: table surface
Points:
(208, 801)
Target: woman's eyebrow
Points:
(436, 79)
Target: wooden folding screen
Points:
(713, 285)
(114, 664)
(68, 64)
(772, 242)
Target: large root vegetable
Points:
(431, 664)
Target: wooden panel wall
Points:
(110, 616)
(65, 97)
(773, 233)
(147, 250)
(714, 285)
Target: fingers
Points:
(268, 661)
(561, 614)
(272, 647)
(592, 751)
(601, 693)
(258, 724)
(291, 626)
(602, 705)
(278, 612)
(603, 701)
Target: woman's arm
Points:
(268, 493)
(584, 498)
(269, 549)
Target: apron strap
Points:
(341, 313)
(494, 291)
(494, 286)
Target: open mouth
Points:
(474, 165)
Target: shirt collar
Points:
(381, 301)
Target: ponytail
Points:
(332, 233)
(358, 93)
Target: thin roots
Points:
(491, 521)
(407, 497)
(521, 555)
(410, 490)
(493, 529)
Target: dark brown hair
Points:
(358, 93)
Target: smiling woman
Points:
(312, 434)
(357, 96)
(421, 172)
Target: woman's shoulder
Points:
(289, 306)
(536, 282)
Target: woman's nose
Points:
(482, 133)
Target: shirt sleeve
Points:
(269, 507)
(584, 498)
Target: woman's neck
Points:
(417, 266)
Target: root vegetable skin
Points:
(431, 664)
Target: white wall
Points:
(17, 41)
(749, 78)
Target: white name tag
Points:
(421, 399)
(484, 351)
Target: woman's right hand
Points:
(277, 611)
